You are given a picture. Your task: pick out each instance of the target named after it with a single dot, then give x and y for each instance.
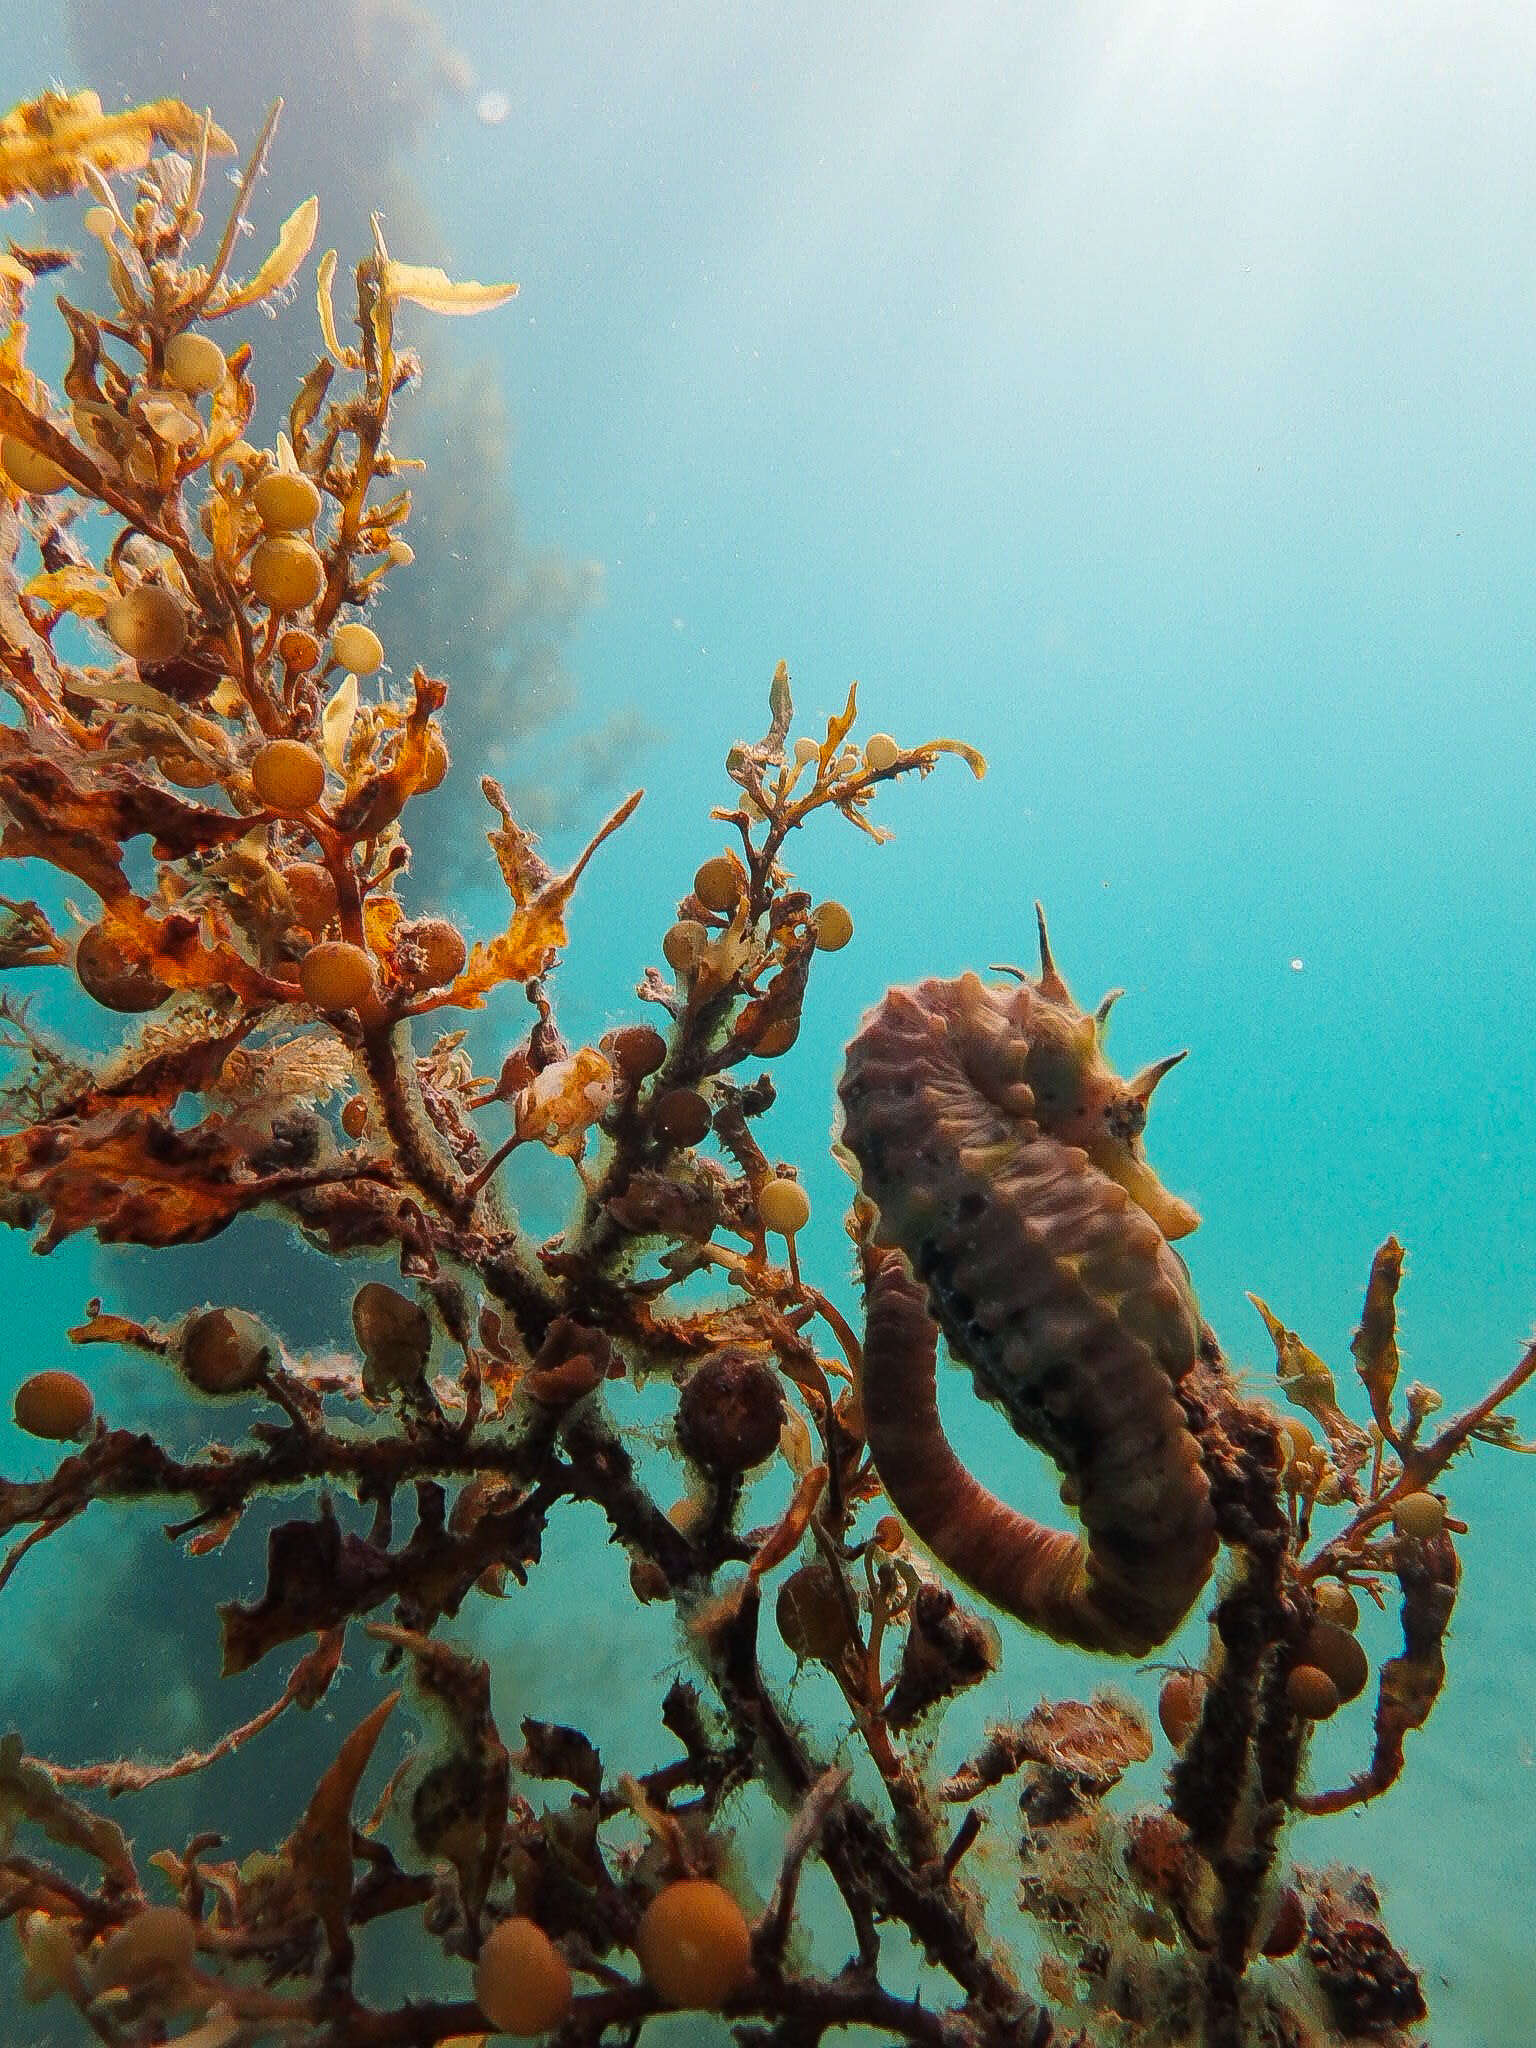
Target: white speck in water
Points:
(1297, 965)
(492, 108)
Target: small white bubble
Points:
(1297, 965)
(492, 108)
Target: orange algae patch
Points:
(537, 930)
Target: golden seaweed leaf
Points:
(104, 1326)
(839, 727)
(15, 377)
(537, 930)
(1374, 1344)
(1307, 1383)
(105, 1153)
(325, 277)
(424, 284)
(382, 919)
(320, 1848)
(78, 587)
(233, 403)
(129, 1175)
(50, 146)
(295, 239)
(525, 949)
(523, 868)
(182, 952)
(336, 722)
(784, 1537)
(378, 798)
(973, 757)
(76, 810)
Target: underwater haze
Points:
(1143, 393)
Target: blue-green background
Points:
(1142, 392)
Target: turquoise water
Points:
(1144, 394)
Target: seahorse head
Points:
(1076, 1096)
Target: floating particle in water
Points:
(1297, 965)
(492, 107)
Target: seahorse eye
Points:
(1125, 1117)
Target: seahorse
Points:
(1015, 1208)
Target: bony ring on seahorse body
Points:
(1017, 1211)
